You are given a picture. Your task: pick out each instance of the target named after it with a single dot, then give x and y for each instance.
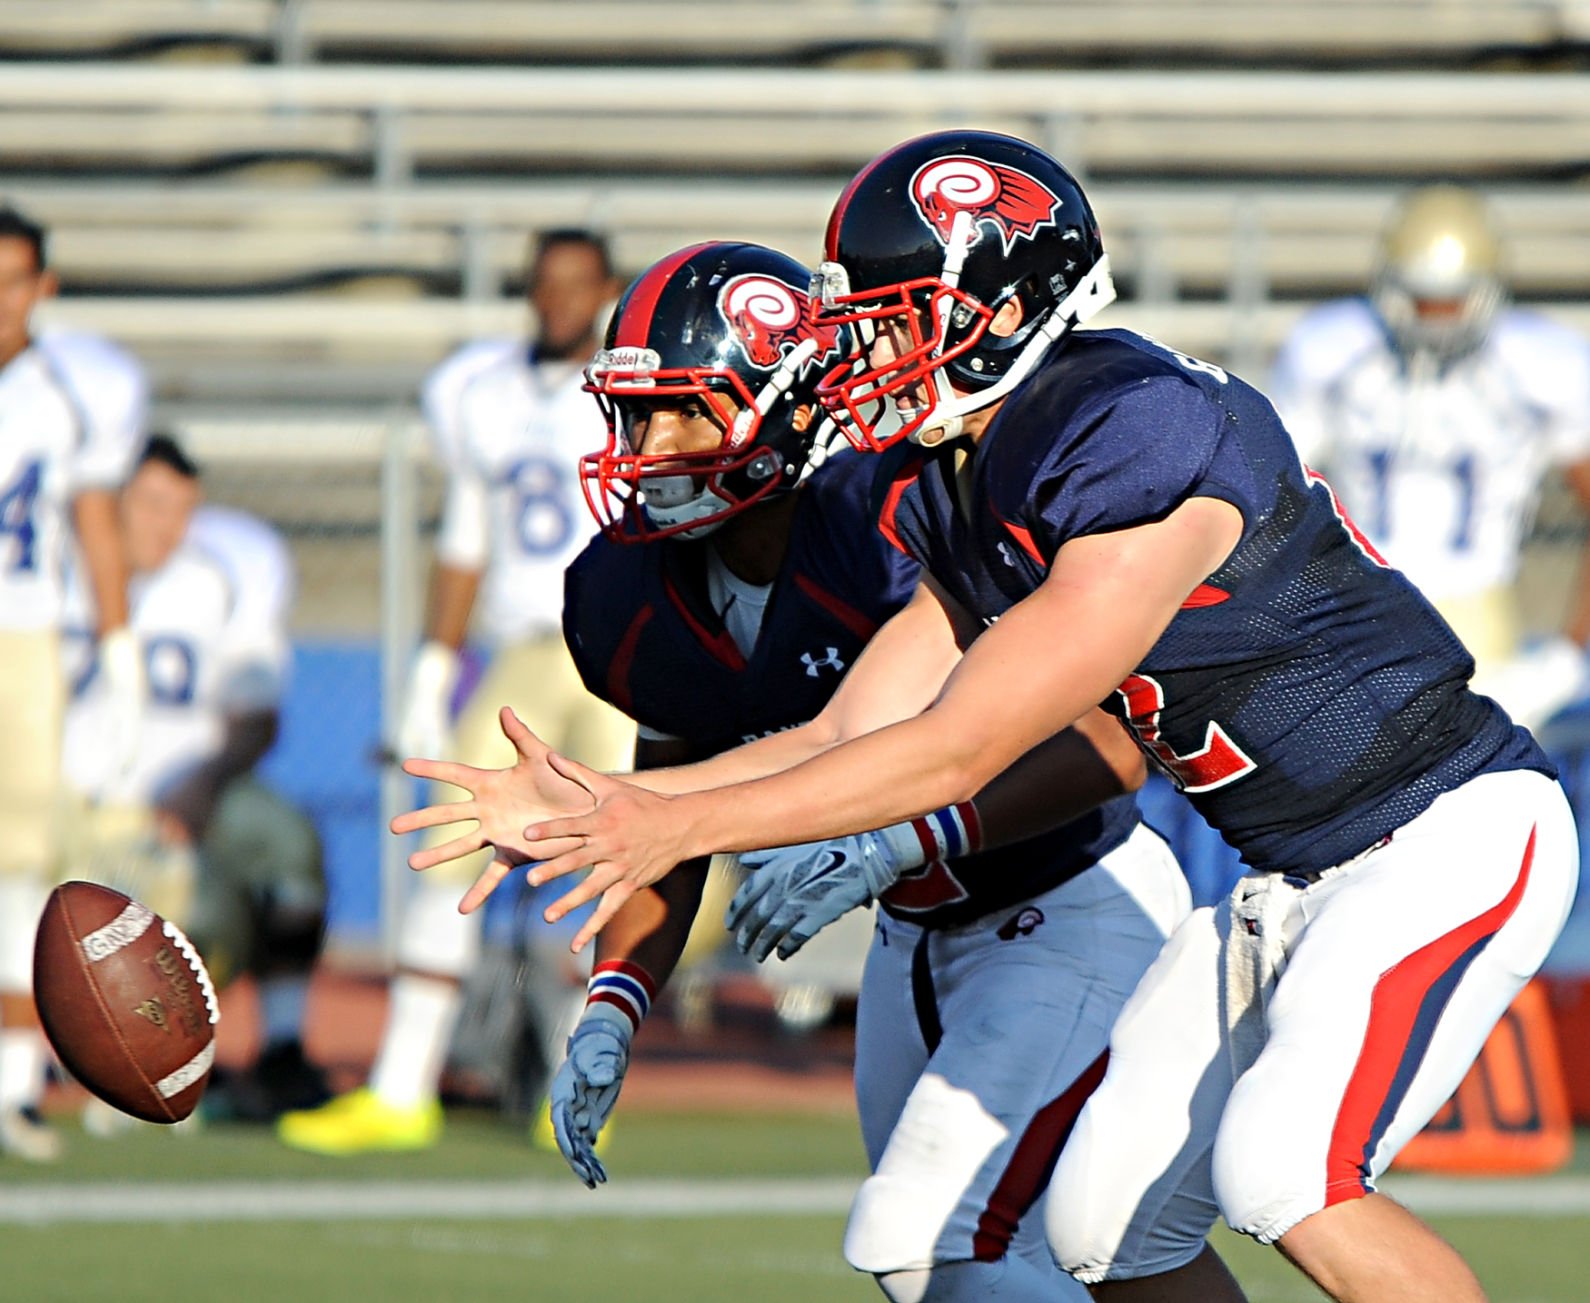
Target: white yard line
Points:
(280, 1200)
(255, 1201)
(1543, 1196)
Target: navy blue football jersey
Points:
(646, 638)
(1306, 697)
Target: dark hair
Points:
(167, 451)
(551, 238)
(15, 226)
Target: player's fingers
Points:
(749, 928)
(428, 857)
(745, 940)
(551, 848)
(791, 944)
(602, 1073)
(571, 1145)
(589, 888)
(444, 771)
(432, 816)
(612, 901)
(739, 910)
(556, 866)
(526, 743)
(765, 942)
(593, 781)
(580, 1161)
(484, 885)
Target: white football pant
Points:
(1267, 1070)
(975, 1049)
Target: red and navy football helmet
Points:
(730, 323)
(923, 249)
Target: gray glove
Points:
(586, 1087)
(792, 893)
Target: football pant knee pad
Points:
(1265, 1187)
(894, 1226)
(1143, 1234)
(1006, 1280)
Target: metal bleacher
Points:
(311, 200)
(1001, 32)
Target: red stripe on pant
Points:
(1032, 1164)
(1395, 1033)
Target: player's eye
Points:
(630, 418)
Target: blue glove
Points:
(792, 893)
(586, 1087)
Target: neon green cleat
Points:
(361, 1122)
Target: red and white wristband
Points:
(621, 985)
(945, 834)
(949, 833)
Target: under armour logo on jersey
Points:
(1005, 554)
(1015, 204)
(829, 662)
(1023, 924)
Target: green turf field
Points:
(746, 1208)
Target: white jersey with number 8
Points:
(514, 504)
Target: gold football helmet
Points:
(1438, 282)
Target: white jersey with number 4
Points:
(511, 442)
(212, 630)
(49, 453)
(1441, 466)
(107, 383)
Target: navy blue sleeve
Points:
(1134, 459)
(900, 573)
(587, 625)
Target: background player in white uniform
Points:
(1437, 412)
(511, 422)
(107, 383)
(187, 828)
(59, 470)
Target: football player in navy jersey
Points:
(1139, 525)
(993, 978)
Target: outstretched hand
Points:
(631, 839)
(501, 802)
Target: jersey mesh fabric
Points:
(1341, 692)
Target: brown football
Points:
(125, 1001)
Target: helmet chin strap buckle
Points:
(946, 421)
(931, 436)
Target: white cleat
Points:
(26, 1135)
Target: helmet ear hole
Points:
(1008, 320)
